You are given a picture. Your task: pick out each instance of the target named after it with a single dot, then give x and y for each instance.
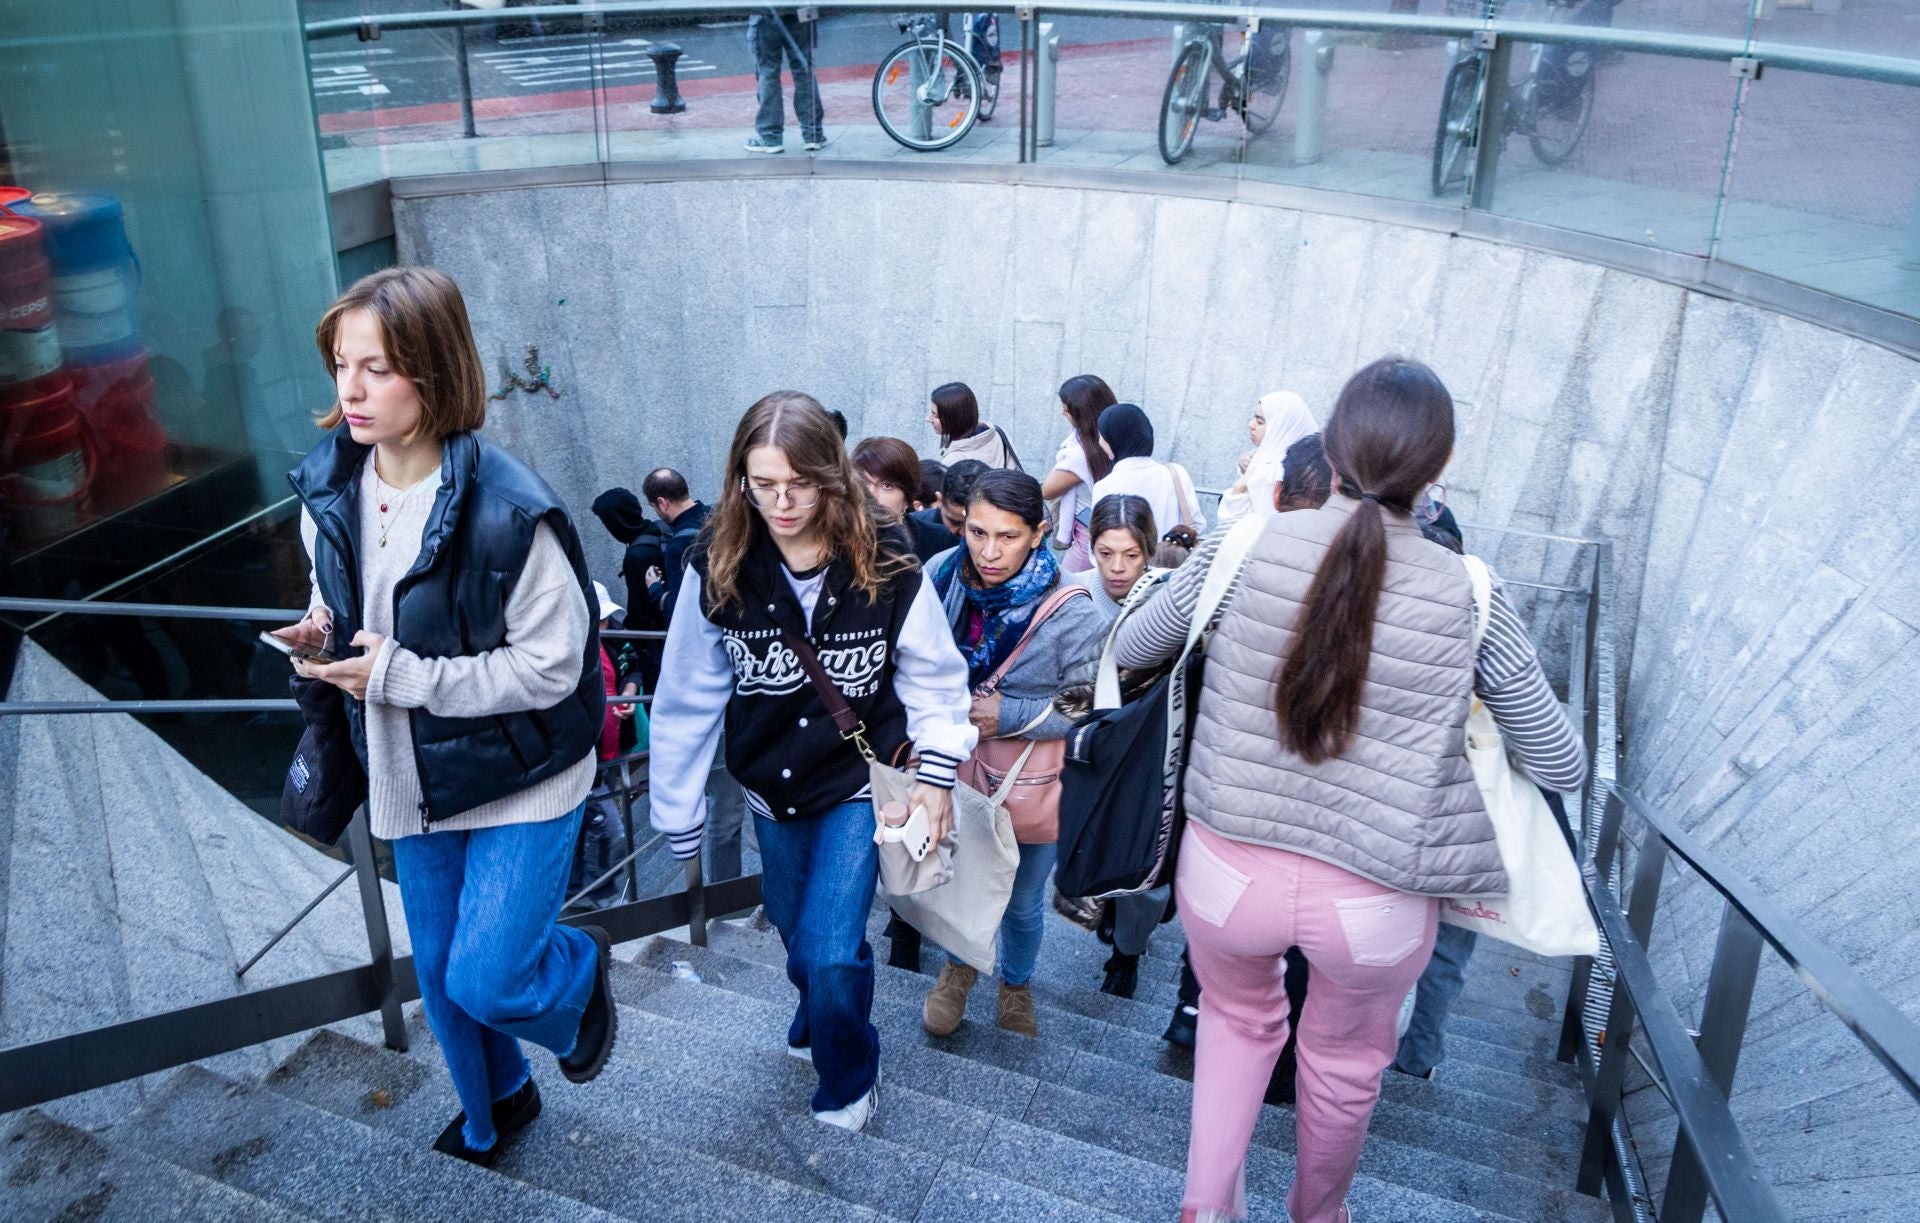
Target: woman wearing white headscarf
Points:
(1280, 420)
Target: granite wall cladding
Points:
(1759, 476)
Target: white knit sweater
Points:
(537, 667)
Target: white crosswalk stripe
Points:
(571, 63)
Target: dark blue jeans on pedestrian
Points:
(817, 884)
(772, 38)
(494, 966)
(1425, 1045)
(1025, 921)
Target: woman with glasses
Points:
(795, 559)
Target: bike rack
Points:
(1316, 68)
(1046, 65)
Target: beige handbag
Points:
(963, 915)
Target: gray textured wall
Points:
(1757, 473)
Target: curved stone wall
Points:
(1758, 474)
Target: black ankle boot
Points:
(510, 1116)
(903, 945)
(599, 1023)
(1123, 975)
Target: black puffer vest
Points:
(781, 743)
(453, 602)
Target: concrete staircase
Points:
(701, 1115)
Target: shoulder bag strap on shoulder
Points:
(1053, 603)
(1217, 591)
(1006, 444)
(842, 713)
(1482, 579)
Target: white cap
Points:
(607, 605)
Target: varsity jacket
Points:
(892, 658)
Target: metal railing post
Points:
(1723, 1029)
(1046, 69)
(1492, 133)
(466, 83)
(696, 903)
(1316, 64)
(373, 907)
(1608, 1082)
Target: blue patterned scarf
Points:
(1004, 609)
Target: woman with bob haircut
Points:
(797, 555)
(955, 416)
(892, 472)
(475, 698)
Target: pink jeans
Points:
(1243, 906)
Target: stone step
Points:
(715, 1023)
(322, 1164)
(645, 1124)
(53, 1171)
(775, 1080)
(1524, 1099)
(761, 981)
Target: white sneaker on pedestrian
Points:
(803, 1052)
(854, 1117)
(755, 146)
(818, 142)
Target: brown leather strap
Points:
(837, 708)
(1054, 602)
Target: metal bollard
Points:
(1316, 63)
(1180, 29)
(1046, 74)
(666, 86)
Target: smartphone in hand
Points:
(299, 649)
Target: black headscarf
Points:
(1127, 431)
(619, 511)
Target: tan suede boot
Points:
(947, 1000)
(1016, 1010)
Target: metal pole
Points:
(1723, 1028)
(1029, 107)
(298, 918)
(919, 65)
(1046, 70)
(466, 84)
(373, 907)
(696, 904)
(1492, 128)
(1316, 62)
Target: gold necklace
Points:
(386, 503)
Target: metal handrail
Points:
(1830, 62)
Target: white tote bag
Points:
(963, 914)
(1546, 910)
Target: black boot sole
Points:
(578, 1072)
(452, 1140)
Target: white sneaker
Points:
(754, 146)
(814, 146)
(854, 1117)
(803, 1052)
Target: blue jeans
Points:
(817, 883)
(494, 967)
(1026, 918)
(771, 39)
(1425, 1046)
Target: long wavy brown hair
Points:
(850, 523)
(1390, 434)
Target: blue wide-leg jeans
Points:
(494, 966)
(817, 879)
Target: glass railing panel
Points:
(901, 86)
(1825, 188)
(680, 86)
(1144, 95)
(1625, 145)
(513, 93)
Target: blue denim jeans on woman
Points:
(1425, 1045)
(495, 968)
(817, 883)
(1026, 918)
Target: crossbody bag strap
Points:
(1235, 547)
(1053, 603)
(842, 713)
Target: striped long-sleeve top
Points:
(1506, 672)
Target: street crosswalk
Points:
(528, 65)
(579, 62)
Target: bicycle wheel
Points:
(1183, 101)
(1264, 85)
(1459, 124)
(926, 96)
(1562, 109)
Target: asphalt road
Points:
(415, 67)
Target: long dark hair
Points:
(1085, 396)
(1124, 512)
(956, 409)
(1390, 434)
(1016, 492)
(850, 521)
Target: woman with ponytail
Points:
(1329, 796)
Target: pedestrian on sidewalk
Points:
(1025, 635)
(798, 558)
(475, 703)
(1328, 792)
(772, 36)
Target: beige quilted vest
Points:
(1400, 805)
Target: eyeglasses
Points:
(798, 495)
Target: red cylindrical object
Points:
(117, 399)
(49, 461)
(29, 345)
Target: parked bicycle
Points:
(1551, 105)
(930, 90)
(1253, 84)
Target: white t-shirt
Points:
(1165, 487)
(1072, 458)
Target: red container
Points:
(9, 196)
(29, 346)
(117, 400)
(49, 461)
